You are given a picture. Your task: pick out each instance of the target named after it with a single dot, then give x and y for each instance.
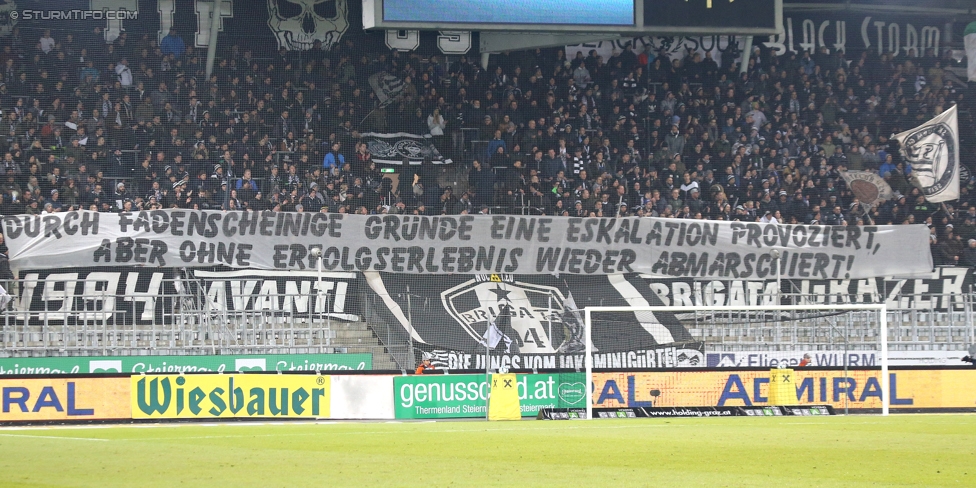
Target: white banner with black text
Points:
(466, 244)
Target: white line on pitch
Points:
(53, 437)
(367, 432)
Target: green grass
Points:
(902, 450)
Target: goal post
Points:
(879, 308)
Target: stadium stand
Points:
(135, 124)
(132, 125)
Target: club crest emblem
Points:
(515, 317)
(930, 150)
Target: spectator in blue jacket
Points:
(495, 143)
(173, 43)
(333, 159)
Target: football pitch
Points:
(901, 450)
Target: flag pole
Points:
(488, 362)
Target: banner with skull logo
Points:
(932, 150)
(7, 19)
(298, 24)
(529, 321)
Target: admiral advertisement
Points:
(144, 296)
(855, 389)
(530, 322)
(64, 399)
(465, 244)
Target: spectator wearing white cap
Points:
(968, 257)
(769, 218)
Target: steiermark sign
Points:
(184, 364)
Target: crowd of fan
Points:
(135, 124)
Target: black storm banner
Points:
(895, 35)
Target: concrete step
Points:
(363, 349)
(353, 334)
(384, 364)
(348, 326)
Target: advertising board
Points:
(460, 396)
(184, 364)
(227, 396)
(856, 389)
(64, 399)
(361, 397)
(836, 359)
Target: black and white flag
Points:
(387, 87)
(529, 320)
(932, 150)
(393, 148)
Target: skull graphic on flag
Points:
(299, 23)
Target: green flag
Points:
(969, 37)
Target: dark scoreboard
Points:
(730, 15)
(704, 17)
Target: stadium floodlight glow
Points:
(881, 308)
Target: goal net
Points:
(838, 354)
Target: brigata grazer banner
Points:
(943, 289)
(465, 244)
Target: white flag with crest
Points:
(932, 150)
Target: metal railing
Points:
(184, 315)
(85, 317)
(916, 322)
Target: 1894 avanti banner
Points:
(466, 244)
